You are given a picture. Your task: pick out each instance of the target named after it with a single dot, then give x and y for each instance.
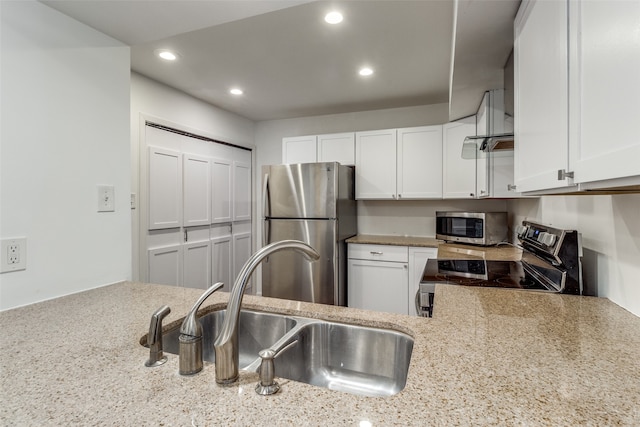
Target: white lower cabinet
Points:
(197, 265)
(165, 265)
(378, 278)
(418, 257)
(230, 249)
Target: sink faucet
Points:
(226, 344)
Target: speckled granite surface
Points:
(488, 357)
(427, 242)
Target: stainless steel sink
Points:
(355, 359)
(257, 331)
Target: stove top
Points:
(551, 262)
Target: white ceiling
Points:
(290, 63)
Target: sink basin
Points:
(256, 330)
(354, 359)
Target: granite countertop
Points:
(445, 250)
(374, 239)
(488, 357)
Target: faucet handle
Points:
(190, 339)
(267, 370)
(154, 339)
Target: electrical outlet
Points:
(106, 198)
(13, 254)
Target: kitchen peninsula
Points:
(488, 357)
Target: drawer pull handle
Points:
(375, 253)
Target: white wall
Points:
(171, 107)
(610, 227)
(65, 129)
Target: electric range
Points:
(551, 262)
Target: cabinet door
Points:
(482, 161)
(417, 260)
(196, 190)
(165, 265)
(165, 188)
(299, 149)
(222, 256)
(541, 95)
(241, 191)
(337, 147)
(221, 200)
(605, 88)
(197, 265)
(378, 286)
(459, 174)
(241, 251)
(376, 164)
(419, 152)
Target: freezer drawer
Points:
(289, 275)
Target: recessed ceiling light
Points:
(365, 71)
(333, 17)
(236, 91)
(167, 55)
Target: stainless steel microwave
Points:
(478, 228)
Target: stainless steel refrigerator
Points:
(314, 203)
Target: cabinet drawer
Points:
(379, 252)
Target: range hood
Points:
(494, 126)
(477, 146)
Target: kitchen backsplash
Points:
(413, 217)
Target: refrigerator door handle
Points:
(265, 236)
(265, 195)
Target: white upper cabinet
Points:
(165, 188)
(242, 185)
(604, 103)
(576, 95)
(376, 164)
(299, 149)
(222, 197)
(541, 95)
(494, 167)
(459, 174)
(196, 190)
(399, 163)
(419, 169)
(337, 147)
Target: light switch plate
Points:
(106, 198)
(13, 254)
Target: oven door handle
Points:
(418, 310)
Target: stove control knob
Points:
(521, 230)
(550, 239)
(547, 239)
